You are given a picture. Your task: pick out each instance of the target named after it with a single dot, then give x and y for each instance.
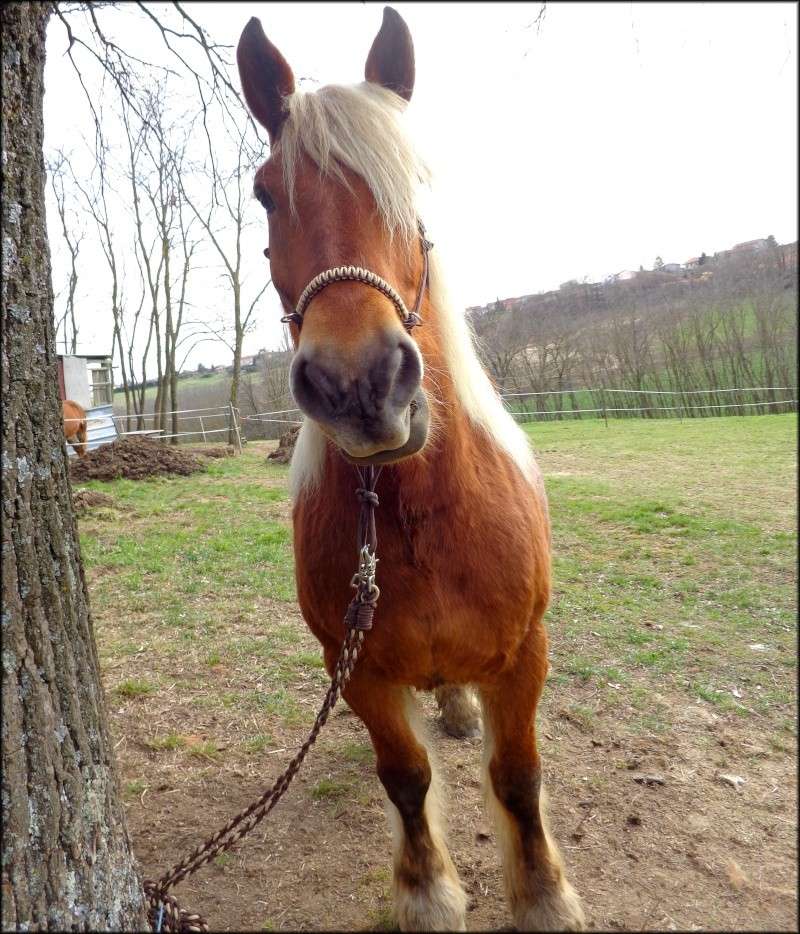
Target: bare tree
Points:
(165, 147)
(144, 250)
(95, 195)
(223, 218)
(148, 134)
(73, 236)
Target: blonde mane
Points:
(360, 127)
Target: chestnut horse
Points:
(463, 528)
(74, 416)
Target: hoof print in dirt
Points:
(650, 780)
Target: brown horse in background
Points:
(74, 416)
(463, 528)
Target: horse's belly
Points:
(456, 645)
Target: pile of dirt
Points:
(83, 500)
(135, 458)
(283, 453)
(221, 450)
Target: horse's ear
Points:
(266, 77)
(391, 59)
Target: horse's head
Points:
(338, 192)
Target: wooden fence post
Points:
(234, 423)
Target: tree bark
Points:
(66, 857)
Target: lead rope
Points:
(164, 913)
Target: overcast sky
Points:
(613, 134)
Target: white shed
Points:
(89, 381)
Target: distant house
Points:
(89, 381)
(692, 263)
(625, 275)
(248, 361)
(751, 246)
(671, 267)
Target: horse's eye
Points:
(265, 199)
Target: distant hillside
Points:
(576, 298)
(730, 320)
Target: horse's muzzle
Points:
(371, 404)
(419, 423)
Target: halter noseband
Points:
(358, 274)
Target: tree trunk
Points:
(123, 371)
(237, 358)
(67, 861)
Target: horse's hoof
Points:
(461, 729)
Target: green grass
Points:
(382, 919)
(170, 741)
(674, 552)
(205, 750)
(331, 789)
(134, 788)
(674, 547)
(192, 384)
(358, 753)
(134, 687)
(175, 544)
(256, 744)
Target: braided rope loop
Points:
(350, 274)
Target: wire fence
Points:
(204, 424)
(226, 423)
(265, 417)
(646, 403)
(613, 403)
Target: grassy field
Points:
(674, 554)
(673, 641)
(186, 385)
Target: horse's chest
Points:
(455, 595)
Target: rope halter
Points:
(358, 274)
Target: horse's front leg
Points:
(82, 447)
(427, 892)
(538, 893)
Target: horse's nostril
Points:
(315, 387)
(407, 373)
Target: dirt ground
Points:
(673, 810)
(652, 837)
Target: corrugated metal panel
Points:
(100, 427)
